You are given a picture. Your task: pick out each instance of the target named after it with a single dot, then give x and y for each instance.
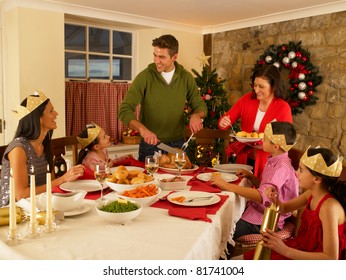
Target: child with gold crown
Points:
(279, 138)
(322, 233)
(94, 142)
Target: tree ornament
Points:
(291, 55)
(302, 85)
(303, 75)
(268, 59)
(301, 95)
(285, 60)
(207, 97)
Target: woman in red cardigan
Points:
(266, 103)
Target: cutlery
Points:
(167, 148)
(198, 198)
(186, 144)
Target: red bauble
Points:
(296, 85)
(298, 54)
(212, 113)
(310, 83)
(291, 88)
(310, 92)
(306, 98)
(209, 91)
(304, 58)
(284, 48)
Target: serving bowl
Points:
(120, 188)
(118, 217)
(142, 200)
(173, 186)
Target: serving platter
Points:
(176, 171)
(231, 167)
(194, 194)
(81, 185)
(248, 139)
(228, 177)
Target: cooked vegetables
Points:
(119, 206)
(142, 191)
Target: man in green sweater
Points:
(162, 89)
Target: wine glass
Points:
(180, 160)
(151, 165)
(101, 174)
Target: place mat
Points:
(210, 209)
(199, 213)
(129, 161)
(197, 185)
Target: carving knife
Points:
(167, 148)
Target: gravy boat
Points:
(64, 201)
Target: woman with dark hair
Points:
(30, 150)
(266, 103)
(322, 233)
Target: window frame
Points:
(110, 55)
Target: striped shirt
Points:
(278, 172)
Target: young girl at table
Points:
(322, 234)
(94, 142)
(279, 138)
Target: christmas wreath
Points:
(303, 75)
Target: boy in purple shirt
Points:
(279, 138)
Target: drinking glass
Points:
(151, 165)
(101, 174)
(180, 160)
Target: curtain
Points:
(88, 102)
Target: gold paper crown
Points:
(32, 102)
(93, 131)
(317, 163)
(278, 139)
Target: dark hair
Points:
(83, 152)
(286, 129)
(272, 74)
(335, 186)
(29, 127)
(167, 42)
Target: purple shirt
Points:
(278, 172)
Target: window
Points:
(97, 53)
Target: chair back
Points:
(59, 147)
(209, 136)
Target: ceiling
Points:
(198, 14)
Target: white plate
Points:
(80, 210)
(193, 194)
(228, 177)
(129, 168)
(81, 185)
(231, 167)
(247, 139)
(176, 171)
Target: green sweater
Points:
(162, 104)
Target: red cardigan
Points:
(246, 109)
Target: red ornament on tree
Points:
(209, 91)
(310, 92)
(310, 84)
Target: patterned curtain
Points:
(88, 102)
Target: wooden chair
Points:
(59, 147)
(208, 136)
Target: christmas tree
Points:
(212, 90)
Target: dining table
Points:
(154, 234)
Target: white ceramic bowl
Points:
(120, 188)
(118, 218)
(172, 186)
(145, 200)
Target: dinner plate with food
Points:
(248, 137)
(228, 177)
(193, 198)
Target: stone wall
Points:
(234, 54)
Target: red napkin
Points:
(199, 213)
(197, 185)
(211, 209)
(88, 174)
(129, 161)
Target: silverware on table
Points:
(198, 198)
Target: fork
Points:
(200, 197)
(186, 144)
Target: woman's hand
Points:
(73, 173)
(225, 122)
(218, 181)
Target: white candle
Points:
(49, 210)
(33, 196)
(13, 213)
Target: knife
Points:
(167, 148)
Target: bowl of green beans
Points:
(119, 211)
